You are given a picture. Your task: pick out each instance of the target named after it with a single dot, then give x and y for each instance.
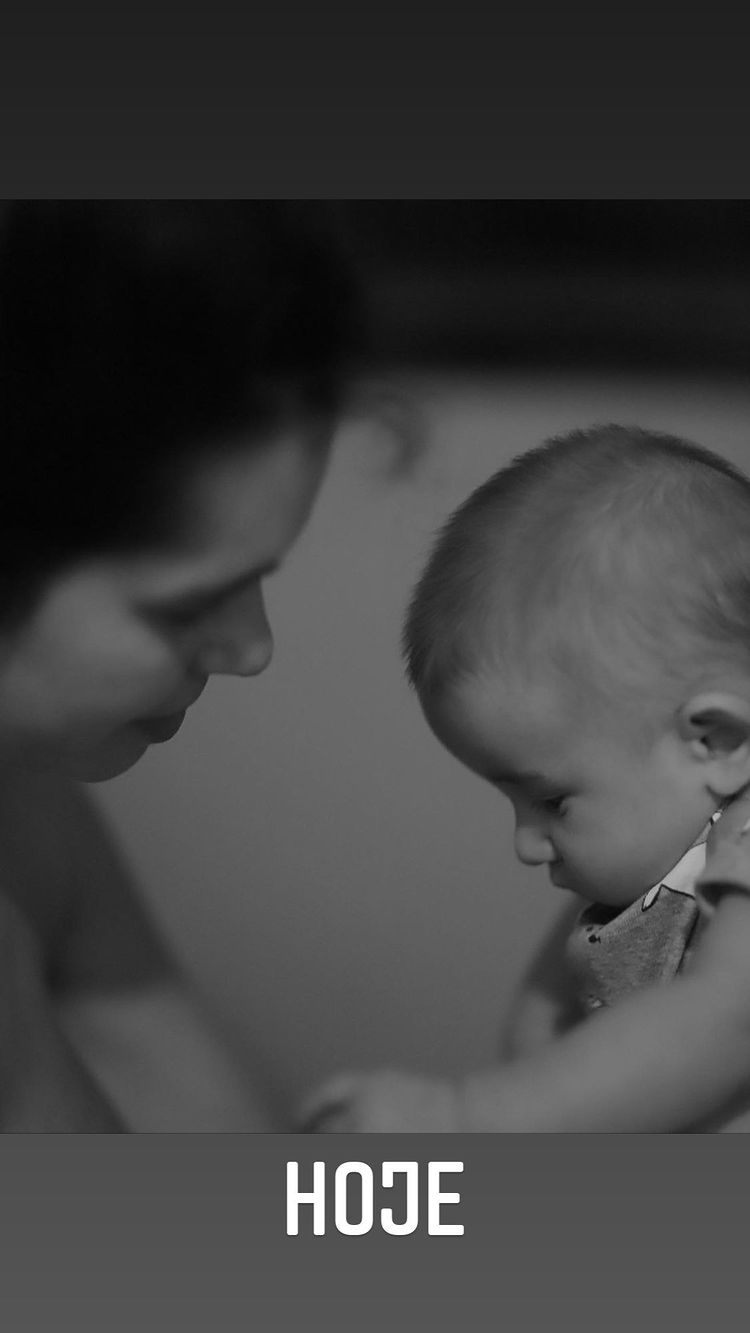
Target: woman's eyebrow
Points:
(197, 597)
(519, 775)
(523, 777)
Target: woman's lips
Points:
(164, 727)
(158, 729)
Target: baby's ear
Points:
(716, 727)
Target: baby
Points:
(580, 639)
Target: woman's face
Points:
(118, 648)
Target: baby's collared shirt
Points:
(611, 953)
(682, 877)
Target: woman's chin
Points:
(109, 760)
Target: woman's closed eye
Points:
(189, 615)
(188, 612)
(179, 619)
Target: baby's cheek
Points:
(607, 866)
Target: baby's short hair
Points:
(618, 556)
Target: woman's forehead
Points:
(248, 494)
(234, 518)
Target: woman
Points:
(169, 377)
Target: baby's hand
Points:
(728, 847)
(383, 1102)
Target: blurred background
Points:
(556, 283)
(342, 891)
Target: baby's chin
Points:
(604, 896)
(558, 877)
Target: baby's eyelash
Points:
(547, 804)
(553, 804)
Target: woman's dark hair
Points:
(134, 335)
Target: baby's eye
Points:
(552, 805)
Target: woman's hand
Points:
(43, 1086)
(728, 850)
(384, 1102)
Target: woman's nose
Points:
(238, 640)
(532, 845)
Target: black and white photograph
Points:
(375, 667)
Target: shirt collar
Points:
(681, 878)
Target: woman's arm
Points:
(671, 1057)
(544, 1006)
(120, 1002)
(44, 1087)
(665, 1059)
(132, 1014)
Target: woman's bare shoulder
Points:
(45, 824)
(60, 864)
(42, 814)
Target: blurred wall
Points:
(343, 891)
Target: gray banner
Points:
(203, 1218)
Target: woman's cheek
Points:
(161, 676)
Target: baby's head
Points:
(580, 637)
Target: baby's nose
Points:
(532, 847)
